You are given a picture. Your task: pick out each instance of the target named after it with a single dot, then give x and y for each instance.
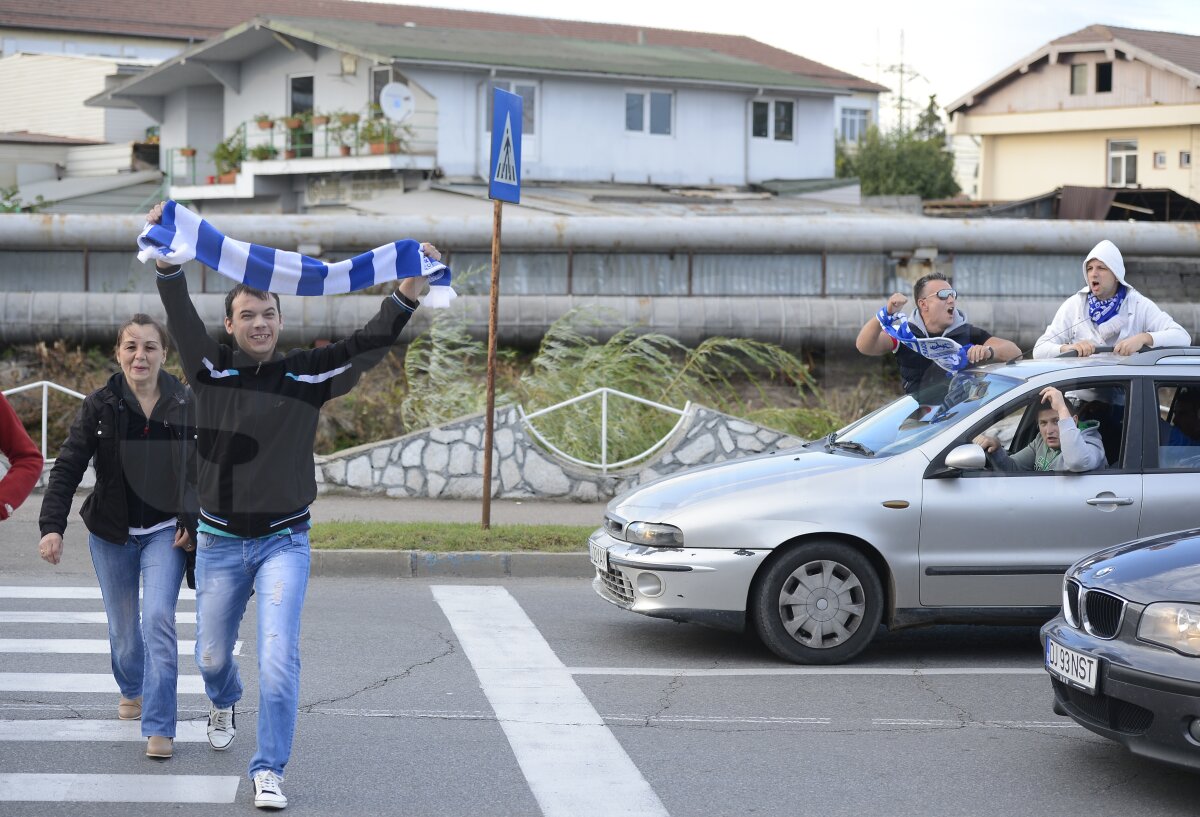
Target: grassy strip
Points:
(449, 537)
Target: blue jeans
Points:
(145, 657)
(276, 569)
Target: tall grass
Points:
(445, 372)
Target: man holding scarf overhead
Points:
(935, 333)
(257, 412)
(1108, 312)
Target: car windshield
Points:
(913, 419)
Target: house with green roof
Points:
(291, 102)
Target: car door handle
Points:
(1109, 500)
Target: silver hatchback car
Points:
(901, 519)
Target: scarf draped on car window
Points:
(948, 354)
(182, 235)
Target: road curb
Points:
(408, 564)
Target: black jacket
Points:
(96, 436)
(258, 421)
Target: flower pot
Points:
(348, 119)
(320, 120)
(289, 154)
(265, 124)
(294, 123)
(344, 150)
(227, 178)
(383, 147)
(188, 152)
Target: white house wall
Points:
(266, 84)
(44, 93)
(193, 118)
(581, 134)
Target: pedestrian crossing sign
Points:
(504, 180)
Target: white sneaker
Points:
(267, 793)
(221, 727)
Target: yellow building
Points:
(1105, 106)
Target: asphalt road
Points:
(534, 696)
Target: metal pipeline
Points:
(811, 233)
(27, 317)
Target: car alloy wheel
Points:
(819, 603)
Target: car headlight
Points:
(1173, 625)
(653, 534)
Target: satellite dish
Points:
(397, 101)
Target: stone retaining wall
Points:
(448, 461)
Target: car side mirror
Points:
(968, 457)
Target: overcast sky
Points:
(953, 45)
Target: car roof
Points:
(1026, 369)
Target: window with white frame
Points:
(380, 76)
(1122, 162)
(528, 91)
(1160, 159)
(1079, 75)
(855, 122)
(1185, 159)
(649, 112)
(774, 118)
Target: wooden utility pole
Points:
(489, 428)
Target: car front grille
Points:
(1102, 613)
(1071, 602)
(616, 585)
(1103, 710)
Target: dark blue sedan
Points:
(1124, 653)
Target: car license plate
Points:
(599, 556)
(1073, 667)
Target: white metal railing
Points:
(604, 392)
(45, 386)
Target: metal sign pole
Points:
(489, 429)
(504, 184)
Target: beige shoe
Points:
(129, 710)
(157, 746)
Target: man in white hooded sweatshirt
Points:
(1108, 312)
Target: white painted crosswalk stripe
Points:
(81, 682)
(100, 691)
(17, 591)
(117, 788)
(81, 646)
(71, 617)
(73, 729)
(572, 761)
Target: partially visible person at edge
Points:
(258, 412)
(1063, 442)
(1108, 312)
(139, 429)
(936, 315)
(24, 461)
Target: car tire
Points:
(819, 603)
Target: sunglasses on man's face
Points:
(943, 294)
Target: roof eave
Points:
(1052, 50)
(647, 78)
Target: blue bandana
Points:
(1100, 311)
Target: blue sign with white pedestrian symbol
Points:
(504, 180)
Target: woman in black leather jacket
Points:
(139, 430)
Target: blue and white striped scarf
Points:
(947, 353)
(182, 235)
(1100, 311)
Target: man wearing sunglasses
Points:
(936, 316)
